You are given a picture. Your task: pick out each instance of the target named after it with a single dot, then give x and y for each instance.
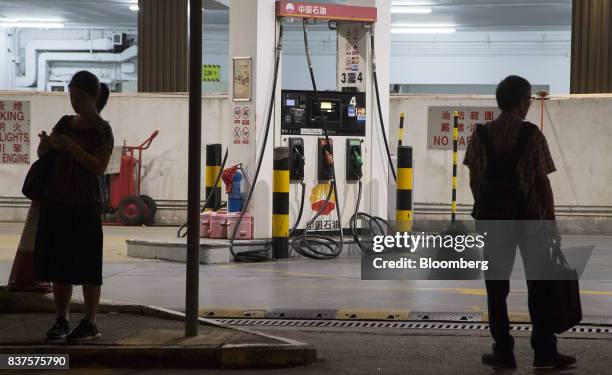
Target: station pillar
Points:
(252, 46)
(591, 70)
(163, 57)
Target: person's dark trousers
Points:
(499, 323)
(501, 242)
(543, 339)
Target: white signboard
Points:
(14, 132)
(351, 58)
(440, 125)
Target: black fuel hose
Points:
(380, 115)
(260, 254)
(180, 233)
(301, 211)
(373, 222)
(315, 246)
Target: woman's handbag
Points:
(564, 303)
(36, 180)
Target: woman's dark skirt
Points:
(69, 244)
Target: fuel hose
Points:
(258, 254)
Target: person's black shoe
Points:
(59, 331)
(85, 331)
(555, 360)
(500, 358)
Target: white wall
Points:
(133, 118)
(483, 58)
(578, 134)
(577, 129)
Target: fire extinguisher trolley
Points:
(125, 198)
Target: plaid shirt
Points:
(536, 160)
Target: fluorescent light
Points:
(424, 25)
(423, 30)
(134, 8)
(410, 10)
(33, 25)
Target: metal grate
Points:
(445, 316)
(394, 325)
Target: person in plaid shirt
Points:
(532, 168)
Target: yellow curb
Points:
(231, 313)
(514, 317)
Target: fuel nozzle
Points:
(328, 157)
(357, 160)
(354, 160)
(326, 160)
(300, 161)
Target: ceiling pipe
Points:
(33, 47)
(44, 59)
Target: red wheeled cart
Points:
(123, 195)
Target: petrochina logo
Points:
(317, 199)
(290, 8)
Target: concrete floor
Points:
(307, 284)
(415, 351)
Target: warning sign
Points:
(211, 73)
(243, 115)
(237, 134)
(440, 125)
(245, 136)
(14, 132)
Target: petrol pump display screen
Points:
(342, 113)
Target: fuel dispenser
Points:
(326, 136)
(335, 129)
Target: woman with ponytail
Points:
(68, 247)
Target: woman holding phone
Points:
(69, 240)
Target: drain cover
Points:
(445, 316)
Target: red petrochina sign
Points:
(325, 11)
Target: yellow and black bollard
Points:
(403, 212)
(280, 204)
(213, 167)
(400, 135)
(455, 160)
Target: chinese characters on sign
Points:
(312, 9)
(326, 225)
(242, 79)
(14, 132)
(440, 125)
(351, 61)
(325, 11)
